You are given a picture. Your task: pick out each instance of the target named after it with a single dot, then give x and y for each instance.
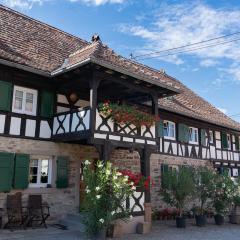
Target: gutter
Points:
(63, 70)
(25, 68)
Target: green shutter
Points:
(224, 140)
(164, 168)
(5, 96)
(62, 172)
(237, 142)
(47, 103)
(160, 128)
(6, 171)
(21, 175)
(183, 133)
(164, 174)
(203, 137)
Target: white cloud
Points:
(223, 110)
(177, 25)
(28, 4)
(208, 63)
(234, 71)
(98, 2)
(22, 4)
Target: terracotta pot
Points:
(100, 235)
(180, 222)
(201, 220)
(219, 219)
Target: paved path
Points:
(160, 231)
(168, 231)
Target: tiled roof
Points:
(29, 42)
(34, 44)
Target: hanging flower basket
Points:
(126, 115)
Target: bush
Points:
(106, 193)
(223, 194)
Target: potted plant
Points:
(204, 187)
(223, 196)
(126, 115)
(106, 191)
(234, 216)
(177, 187)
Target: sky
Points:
(139, 27)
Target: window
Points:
(24, 100)
(234, 172)
(169, 130)
(228, 142)
(211, 138)
(40, 172)
(193, 135)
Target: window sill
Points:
(24, 113)
(35, 190)
(169, 138)
(195, 143)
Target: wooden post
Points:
(145, 168)
(155, 112)
(104, 150)
(94, 83)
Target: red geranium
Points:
(138, 179)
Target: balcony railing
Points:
(106, 129)
(71, 124)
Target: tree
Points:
(177, 187)
(204, 186)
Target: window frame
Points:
(174, 124)
(189, 140)
(50, 168)
(229, 141)
(25, 90)
(209, 139)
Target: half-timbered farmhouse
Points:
(51, 84)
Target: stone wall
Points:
(156, 161)
(64, 201)
(61, 201)
(125, 159)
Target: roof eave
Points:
(66, 69)
(137, 76)
(198, 118)
(24, 67)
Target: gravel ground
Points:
(160, 231)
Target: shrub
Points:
(223, 194)
(106, 193)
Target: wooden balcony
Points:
(72, 126)
(105, 128)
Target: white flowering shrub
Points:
(224, 192)
(106, 193)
